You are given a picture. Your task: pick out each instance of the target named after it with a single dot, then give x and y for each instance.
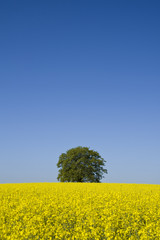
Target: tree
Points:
(80, 164)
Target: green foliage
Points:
(80, 164)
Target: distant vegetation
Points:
(81, 164)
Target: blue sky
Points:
(79, 73)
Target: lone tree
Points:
(80, 165)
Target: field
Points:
(79, 211)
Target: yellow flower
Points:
(79, 211)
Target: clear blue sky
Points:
(79, 73)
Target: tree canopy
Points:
(81, 164)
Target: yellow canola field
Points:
(79, 211)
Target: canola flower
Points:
(79, 211)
